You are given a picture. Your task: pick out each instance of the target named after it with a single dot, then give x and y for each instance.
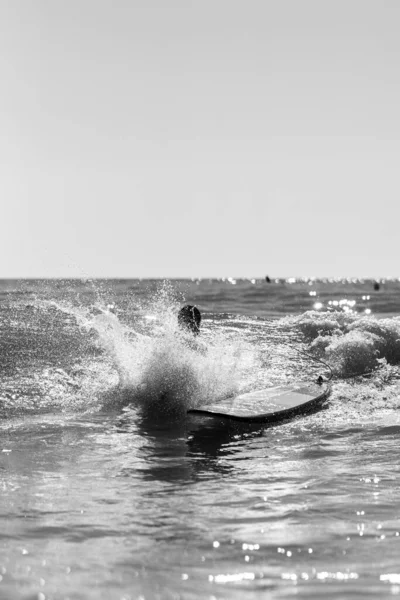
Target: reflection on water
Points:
(296, 505)
(103, 497)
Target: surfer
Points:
(189, 319)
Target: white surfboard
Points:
(269, 404)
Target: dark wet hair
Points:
(189, 317)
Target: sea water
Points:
(109, 490)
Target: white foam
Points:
(152, 363)
(351, 344)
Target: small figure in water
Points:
(189, 318)
(376, 286)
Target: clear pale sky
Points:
(195, 138)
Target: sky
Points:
(199, 138)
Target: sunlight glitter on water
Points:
(390, 577)
(322, 576)
(93, 492)
(232, 578)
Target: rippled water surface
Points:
(109, 490)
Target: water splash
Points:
(144, 358)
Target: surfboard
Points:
(268, 405)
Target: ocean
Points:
(110, 490)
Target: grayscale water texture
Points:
(110, 491)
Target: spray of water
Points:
(145, 358)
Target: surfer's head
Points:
(189, 318)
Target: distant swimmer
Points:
(267, 279)
(376, 286)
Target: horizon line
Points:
(201, 278)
